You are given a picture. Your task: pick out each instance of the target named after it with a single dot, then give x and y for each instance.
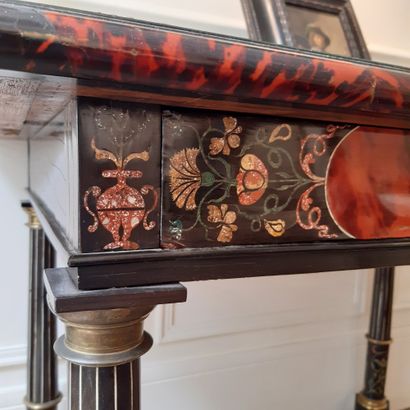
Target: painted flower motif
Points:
(230, 140)
(185, 178)
(225, 219)
(275, 227)
(252, 180)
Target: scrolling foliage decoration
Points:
(377, 370)
(121, 206)
(244, 181)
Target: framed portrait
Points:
(328, 26)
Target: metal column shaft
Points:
(42, 389)
(372, 397)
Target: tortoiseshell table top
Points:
(195, 156)
(128, 59)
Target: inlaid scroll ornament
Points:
(224, 179)
(377, 362)
(308, 216)
(120, 208)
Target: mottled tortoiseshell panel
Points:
(235, 179)
(368, 183)
(119, 158)
(175, 62)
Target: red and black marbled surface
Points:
(368, 183)
(176, 62)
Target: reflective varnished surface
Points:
(182, 64)
(368, 183)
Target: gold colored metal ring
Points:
(33, 221)
(379, 342)
(43, 406)
(370, 404)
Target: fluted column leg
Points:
(372, 397)
(103, 350)
(42, 389)
(102, 387)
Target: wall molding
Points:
(239, 320)
(12, 398)
(11, 356)
(190, 359)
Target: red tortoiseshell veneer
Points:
(174, 66)
(368, 183)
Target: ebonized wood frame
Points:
(267, 20)
(153, 266)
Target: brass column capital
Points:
(33, 221)
(104, 337)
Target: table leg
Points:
(379, 339)
(42, 390)
(103, 350)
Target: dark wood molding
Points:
(153, 266)
(64, 296)
(150, 266)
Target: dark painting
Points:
(317, 31)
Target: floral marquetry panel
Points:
(235, 179)
(119, 175)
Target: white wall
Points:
(267, 343)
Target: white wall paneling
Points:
(266, 303)
(294, 342)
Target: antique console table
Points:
(159, 155)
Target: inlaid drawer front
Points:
(235, 179)
(119, 157)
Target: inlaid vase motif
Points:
(121, 208)
(127, 203)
